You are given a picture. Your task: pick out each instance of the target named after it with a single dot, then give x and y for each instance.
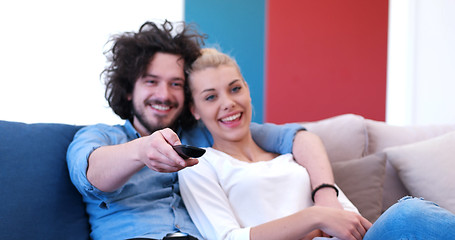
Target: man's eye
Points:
(151, 81)
(177, 84)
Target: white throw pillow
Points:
(427, 168)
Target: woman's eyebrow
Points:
(236, 80)
(212, 89)
(208, 90)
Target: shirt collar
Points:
(131, 131)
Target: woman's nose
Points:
(228, 103)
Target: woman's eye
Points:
(236, 89)
(210, 98)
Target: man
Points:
(127, 173)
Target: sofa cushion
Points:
(426, 168)
(382, 135)
(344, 136)
(362, 182)
(38, 199)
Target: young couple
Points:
(127, 174)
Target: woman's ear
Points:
(193, 111)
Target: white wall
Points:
(421, 62)
(51, 55)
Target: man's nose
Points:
(163, 92)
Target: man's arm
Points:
(309, 151)
(109, 167)
(275, 138)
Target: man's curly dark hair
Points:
(130, 55)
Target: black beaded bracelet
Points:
(324, 185)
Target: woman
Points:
(239, 191)
(221, 99)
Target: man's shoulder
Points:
(91, 137)
(103, 131)
(102, 128)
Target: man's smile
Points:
(161, 107)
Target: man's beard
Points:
(160, 121)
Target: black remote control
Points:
(187, 151)
(178, 236)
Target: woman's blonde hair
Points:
(211, 57)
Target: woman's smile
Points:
(232, 120)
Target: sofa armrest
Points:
(38, 199)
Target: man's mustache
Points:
(159, 102)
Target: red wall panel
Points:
(324, 58)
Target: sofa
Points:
(374, 163)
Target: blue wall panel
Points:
(236, 27)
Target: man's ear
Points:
(193, 111)
(129, 96)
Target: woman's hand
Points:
(342, 224)
(313, 234)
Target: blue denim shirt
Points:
(149, 204)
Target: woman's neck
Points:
(245, 150)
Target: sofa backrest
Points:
(38, 200)
(344, 136)
(382, 135)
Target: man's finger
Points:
(191, 162)
(162, 167)
(170, 136)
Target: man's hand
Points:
(158, 154)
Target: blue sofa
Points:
(37, 198)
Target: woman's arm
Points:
(309, 151)
(338, 223)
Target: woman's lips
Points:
(231, 119)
